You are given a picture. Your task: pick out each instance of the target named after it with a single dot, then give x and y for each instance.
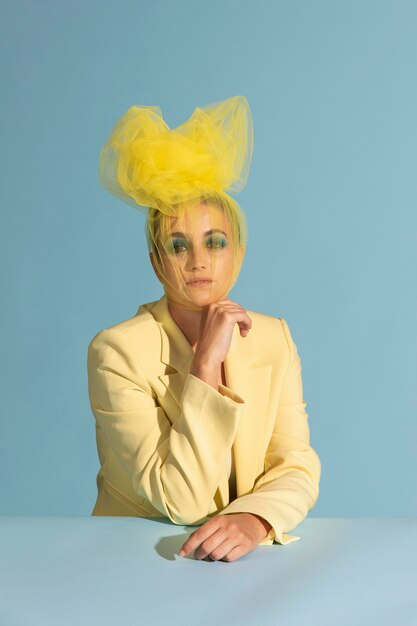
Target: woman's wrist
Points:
(207, 373)
(205, 370)
(267, 526)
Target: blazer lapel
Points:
(176, 355)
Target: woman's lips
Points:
(200, 283)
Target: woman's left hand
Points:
(226, 537)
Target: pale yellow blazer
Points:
(164, 436)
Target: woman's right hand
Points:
(216, 330)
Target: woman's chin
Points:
(196, 300)
(194, 297)
(201, 299)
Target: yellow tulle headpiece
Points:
(185, 173)
(147, 164)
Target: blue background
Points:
(330, 202)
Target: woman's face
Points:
(198, 246)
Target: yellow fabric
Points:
(164, 435)
(146, 164)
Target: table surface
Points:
(118, 571)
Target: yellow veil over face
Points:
(184, 175)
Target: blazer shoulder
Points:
(266, 323)
(140, 329)
(267, 334)
(264, 319)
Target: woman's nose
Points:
(198, 257)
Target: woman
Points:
(198, 402)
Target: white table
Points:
(120, 571)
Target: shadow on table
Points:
(168, 547)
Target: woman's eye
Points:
(175, 247)
(216, 243)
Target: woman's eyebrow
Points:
(208, 232)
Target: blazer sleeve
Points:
(177, 467)
(289, 487)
